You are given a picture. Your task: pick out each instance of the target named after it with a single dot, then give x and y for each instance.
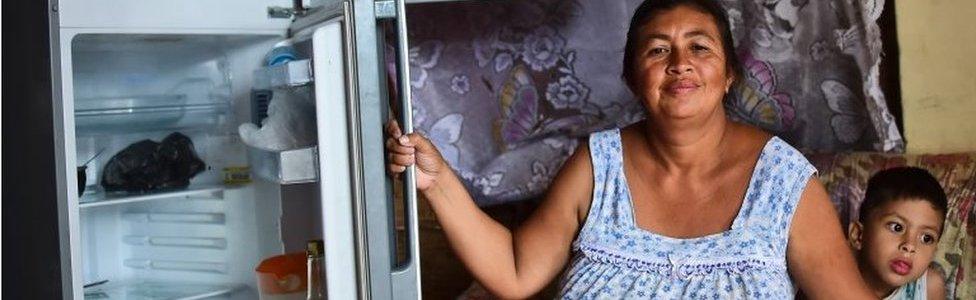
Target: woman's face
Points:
(681, 69)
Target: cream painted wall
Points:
(937, 40)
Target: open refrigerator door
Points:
(143, 223)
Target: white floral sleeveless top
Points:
(915, 290)
(614, 259)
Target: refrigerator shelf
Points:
(176, 265)
(157, 290)
(185, 218)
(176, 241)
(285, 167)
(148, 113)
(158, 109)
(103, 199)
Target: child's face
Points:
(898, 240)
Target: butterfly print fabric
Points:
(506, 89)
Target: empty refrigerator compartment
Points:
(285, 167)
(177, 265)
(145, 290)
(176, 241)
(190, 218)
(192, 192)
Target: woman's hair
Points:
(651, 8)
(902, 183)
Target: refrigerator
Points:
(129, 71)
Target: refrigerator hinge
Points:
(297, 9)
(278, 12)
(385, 9)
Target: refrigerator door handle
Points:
(406, 277)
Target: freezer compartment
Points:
(156, 82)
(285, 167)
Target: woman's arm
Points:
(935, 284)
(519, 264)
(509, 265)
(818, 257)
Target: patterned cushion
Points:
(846, 175)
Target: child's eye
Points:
(895, 227)
(928, 239)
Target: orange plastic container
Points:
(282, 277)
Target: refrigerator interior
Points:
(202, 241)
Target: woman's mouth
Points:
(900, 266)
(681, 87)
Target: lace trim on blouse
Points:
(683, 268)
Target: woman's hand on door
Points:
(405, 150)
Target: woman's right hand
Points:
(405, 150)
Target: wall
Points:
(937, 40)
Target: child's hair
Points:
(902, 183)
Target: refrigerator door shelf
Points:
(291, 74)
(157, 290)
(285, 167)
(192, 192)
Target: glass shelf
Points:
(148, 112)
(103, 199)
(157, 290)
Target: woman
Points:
(683, 205)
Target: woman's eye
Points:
(928, 239)
(658, 51)
(895, 227)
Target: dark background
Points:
(31, 254)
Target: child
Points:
(895, 236)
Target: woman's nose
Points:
(678, 64)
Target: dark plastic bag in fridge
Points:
(147, 165)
